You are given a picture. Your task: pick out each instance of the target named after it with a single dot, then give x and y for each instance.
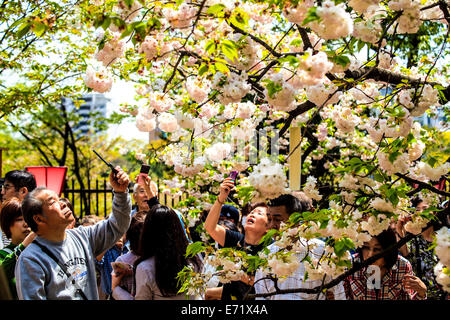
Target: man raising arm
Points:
(72, 276)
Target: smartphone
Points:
(144, 173)
(233, 175)
(107, 163)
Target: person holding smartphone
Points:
(255, 228)
(151, 190)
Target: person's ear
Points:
(23, 192)
(39, 219)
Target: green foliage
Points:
(311, 16)
(343, 245)
(215, 9)
(229, 49)
(272, 87)
(194, 248)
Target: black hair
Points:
(386, 239)
(416, 201)
(249, 207)
(291, 203)
(32, 206)
(2, 182)
(134, 231)
(164, 239)
(20, 179)
(443, 216)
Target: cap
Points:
(230, 212)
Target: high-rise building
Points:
(93, 105)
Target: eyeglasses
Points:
(7, 186)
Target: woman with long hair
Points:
(162, 250)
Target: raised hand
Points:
(120, 181)
(225, 188)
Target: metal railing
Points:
(96, 198)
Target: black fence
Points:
(96, 197)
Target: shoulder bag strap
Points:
(63, 267)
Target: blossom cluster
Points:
(442, 269)
(181, 17)
(268, 179)
(232, 88)
(334, 21)
(98, 79)
(247, 53)
(113, 48)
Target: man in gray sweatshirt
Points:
(38, 275)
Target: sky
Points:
(122, 92)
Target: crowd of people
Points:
(136, 253)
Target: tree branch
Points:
(423, 185)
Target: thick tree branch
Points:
(423, 185)
(390, 77)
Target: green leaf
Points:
(378, 177)
(129, 3)
(432, 161)
(222, 67)
(254, 262)
(118, 22)
(343, 245)
(194, 248)
(211, 46)
(128, 30)
(393, 198)
(106, 23)
(295, 217)
(39, 28)
(23, 29)
(267, 238)
(229, 49)
(311, 16)
(296, 42)
(203, 68)
(273, 87)
(239, 18)
(394, 155)
(293, 61)
(215, 9)
(341, 60)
